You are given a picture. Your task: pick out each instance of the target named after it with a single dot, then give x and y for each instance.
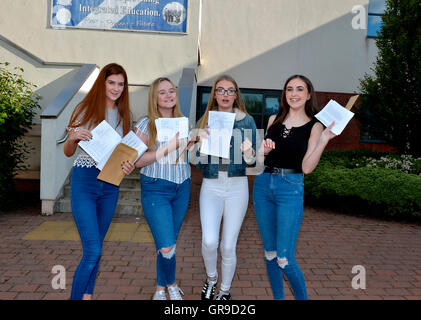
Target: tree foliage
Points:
(18, 106)
(391, 98)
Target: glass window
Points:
(254, 106)
(253, 102)
(375, 11)
(260, 104)
(272, 105)
(205, 100)
(203, 94)
(376, 6)
(368, 132)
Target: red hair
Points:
(92, 107)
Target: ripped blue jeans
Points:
(278, 204)
(164, 204)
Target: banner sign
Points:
(130, 15)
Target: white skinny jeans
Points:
(228, 198)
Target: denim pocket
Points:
(147, 180)
(294, 178)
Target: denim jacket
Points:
(244, 126)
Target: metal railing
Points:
(55, 166)
(187, 94)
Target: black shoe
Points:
(208, 290)
(223, 296)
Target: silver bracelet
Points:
(73, 129)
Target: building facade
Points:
(259, 43)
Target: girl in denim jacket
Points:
(224, 192)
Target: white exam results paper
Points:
(167, 128)
(333, 111)
(105, 139)
(131, 140)
(220, 129)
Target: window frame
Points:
(266, 93)
(372, 14)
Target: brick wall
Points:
(349, 139)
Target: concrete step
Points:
(128, 200)
(127, 207)
(125, 193)
(131, 181)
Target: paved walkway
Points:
(329, 246)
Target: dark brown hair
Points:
(311, 105)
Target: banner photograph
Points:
(131, 15)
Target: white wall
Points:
(262, 43)
(259, 43)
(145, 56)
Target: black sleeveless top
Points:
(290, 145)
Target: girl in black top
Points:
(292, 146)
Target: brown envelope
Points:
(183, 150)
(352, 101)
(112, 172)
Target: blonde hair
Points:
(153, 112)
(213, 104)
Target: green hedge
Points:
(361, 158)
(338, 184)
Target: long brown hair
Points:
(213, 104)
(153, 112)
(92, 107)
(311, 105)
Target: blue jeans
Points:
(278, 203)
(93, 204)
(165, 204)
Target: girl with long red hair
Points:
(93, 201)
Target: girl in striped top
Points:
(165, 184)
